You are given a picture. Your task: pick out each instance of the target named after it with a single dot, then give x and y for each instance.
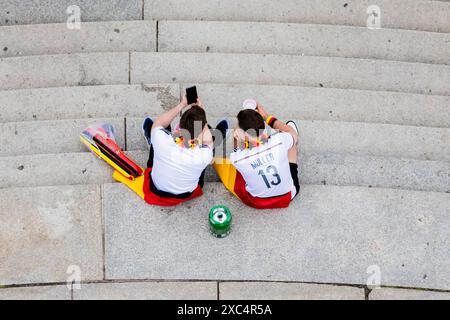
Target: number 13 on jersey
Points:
(270, 176)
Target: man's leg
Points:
(201, 180)
(225, 170)
(220, 138)
(293, 159)
(147, 131)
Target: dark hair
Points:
(189, 117)
(251, 122)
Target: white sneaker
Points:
(292, 124)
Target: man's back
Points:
(265, 169)
(176, 169)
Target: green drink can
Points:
(220, 221)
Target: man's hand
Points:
(260, 109)
(183, 103)
(200, 103)
(166, 118)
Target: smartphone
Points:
(191, 95)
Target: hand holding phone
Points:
(191, 95)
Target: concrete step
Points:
(166, 290)
(310, 103)
(286, 102)
(290, 102)
(119, 36)
(34, 12)
(287, 291)
(329, 234)
(142, 290)
(403, 14)
(50, 229)
(407, 294)
(357, 139)
(95, 69)
(304, 39)
(290, 70)
(56, 292)
(320, 169)
(58, 136)
(64, 70)
(84, 102)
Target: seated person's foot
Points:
(146, 130)
(223, 127)
(292, 124)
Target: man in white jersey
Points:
(177, 161)
(262, 171)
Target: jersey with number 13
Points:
(265, 169)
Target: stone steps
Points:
(304, 39)
(44, 39)
(320, 169)
(64, 70)
(362, 139)
(287, 102)
(132, 290)
(49, 230)
(399, 14)
(422, 143)
(372, 107)
(145, 67)
(343, 73)
(39, 12)
(330, 235)
(58, 136)
(403, 14)
(227, 37)
(83, 102)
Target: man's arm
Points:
(206, 136)
(278, 125)
(166, 118)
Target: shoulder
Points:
(161, 131)
(282, 137)
(162, 138)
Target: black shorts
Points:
(294, 174)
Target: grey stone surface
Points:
(367, 139)
(36, 293)
(328, 235)
(324, 169)
(86, 102)
(290, 102)
(377, 172)
(48, 230)
(92, 37)
(304, 39)
(344, 73)
(53, 170)
(48, 11)
(357, 139)
(407, 294)
(73, 168)
(403, 14)
(53, 136)
(63, 70)
(287, 291)
(135, 138)
(148, 291)
(224, 100)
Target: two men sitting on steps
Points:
(262, 170)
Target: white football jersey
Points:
(176, 169)
(266, 169)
